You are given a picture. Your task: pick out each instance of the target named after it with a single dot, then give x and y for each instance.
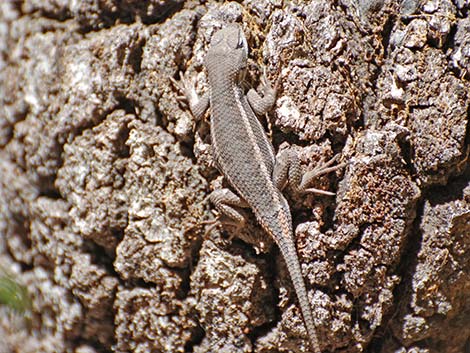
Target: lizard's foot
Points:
(211, 223)
(186, 87)
(288, 169)
(198, 106)
(318, 171)
(214, 223)
(229, 205)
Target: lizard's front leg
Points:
(197, 105)
(287, 169)
(261, 105)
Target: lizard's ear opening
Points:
(242, 42)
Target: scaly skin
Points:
(244, 154)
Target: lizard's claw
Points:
(186, 87)
(322, 169)
(264, 78)
(212, 223)
(266, 86)
(319, 192)
(177, 84)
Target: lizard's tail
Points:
(290, 256)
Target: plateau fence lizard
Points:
(245, 156)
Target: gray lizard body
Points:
(240, 146)
(245, 156)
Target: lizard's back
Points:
(242, 150)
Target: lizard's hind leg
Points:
(229, 205)
(319, 170)
(287, 169)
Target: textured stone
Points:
(104, 177)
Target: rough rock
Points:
(104, 177)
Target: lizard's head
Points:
(228, 49)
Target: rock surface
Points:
(104, 177)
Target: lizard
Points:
(245, 156)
